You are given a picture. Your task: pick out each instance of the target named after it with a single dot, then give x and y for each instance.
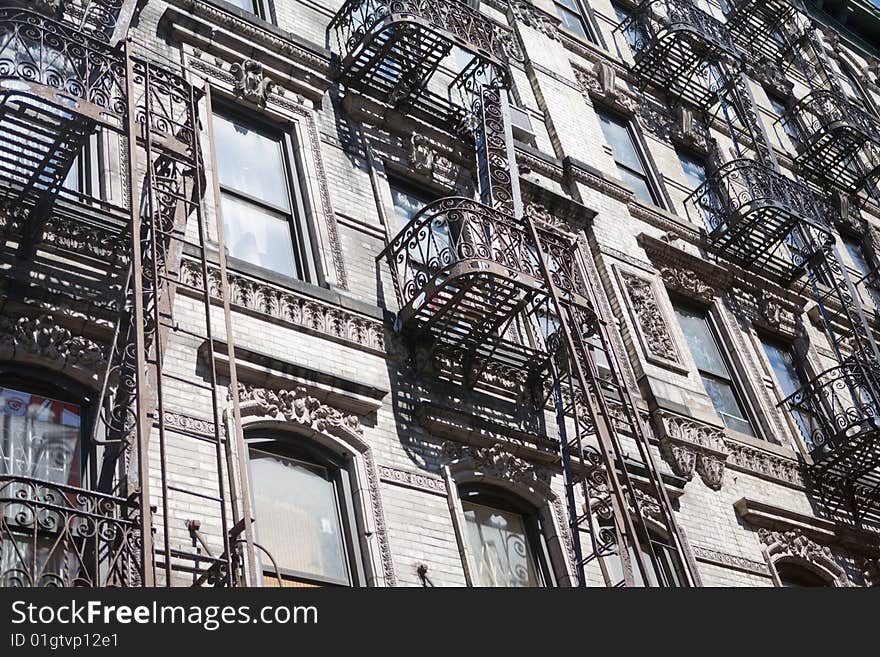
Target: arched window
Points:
(794, 575)
(506, 539)
(304, 512)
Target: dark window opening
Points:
(630, 161)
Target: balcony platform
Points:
(673, 42)
(751, 214)
(839, 141)
(469, 286)
(391, 49)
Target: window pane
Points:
(857, 256)
(407, 204)
(247, 5)
(257, 235)
(618, 137)
(701, 342)
(637, 182)
(725, 402)
(298, 516)
(250, 162)
(39, 437)
(572, 21)
(500, 547)
(694, 169)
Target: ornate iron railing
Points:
(60, 65)
(359, 21)
(55, 535)
(658, 20)
(741, 187)
(461, 232)
(827, 111)
(837, 406)
(101, 19)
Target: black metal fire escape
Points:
(764, 221)
(478, 283)
(68, 72)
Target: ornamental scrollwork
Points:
(297, 406)
(250, 82)
(43, 337)
(529, 15)
(495, 460)
(650, 321)
(690, 446)
(688, 283)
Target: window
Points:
(861, 273)
(789, 379)
(630, 162)
(256, 7)
(780, 110)
(572, 17)
(505, 540)
(795, 576)
(718, 381)
(408, 200)
(633, 34)
(694, 168)
(302, 505)
(660, 571)
(263, 218)
(40, 437)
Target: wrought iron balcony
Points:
(673, 41)
(766, 27)
(751, 212)
(469, 283)
(105, 20)
(838, 416)
(55, 535)
(838, 140)
(391, 49)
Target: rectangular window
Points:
(262, 213)
(500, 546)
(694, 168)
(630, 162)
(861, 273)
(255, 7)
(300, 524)
(633, 33)
(39, 438)
(789, 379)
(717, 378)
(781, 127)
(572, 17)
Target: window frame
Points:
(34, 380)
(736, 379)
(263, 9)
(861, 281)
(583, 16)
(649, 173)
(302, 236)
(497, 498)
(339, 467)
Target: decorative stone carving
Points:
(871, 572)
(295, 405)
(651, 324)
(422, 156)
(689, 445)
(648, 505)
(526, 13)
(310, 314)
(793, 543)
(601, 81)
(249, 81)
(43, 337)
(728, 560)
(764, 464)
(494, 460)
(688, 283)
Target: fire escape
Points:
(764, 221)
(70, 72)
(480, 284)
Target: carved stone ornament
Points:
(689, 445)
(494, 460)
(651, 324)
(688, 283)
(793, 543)
(44, 338)
(295, 405)
(526, 13)
(249, 81)
(601, 81)
(422, 156)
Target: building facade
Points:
(439, 293)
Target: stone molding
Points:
(531, 16)
(766, 465)
(793, 544)
(727, 560)
(416, 480)
(648, 318)
(42, 337)
(496, 461)
(291, 308)
(690, 446)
